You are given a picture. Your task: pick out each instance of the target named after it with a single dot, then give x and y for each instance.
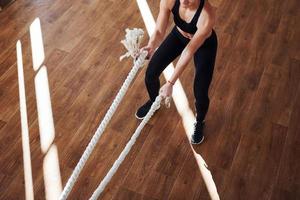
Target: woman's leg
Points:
(169, 49)
(204, 60)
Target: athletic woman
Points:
(192, 37)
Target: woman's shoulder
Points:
(209, 9)
(208, 13)
(169, 4)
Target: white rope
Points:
(137, 65)
(126, 150)
(132, 42)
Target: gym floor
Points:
(252, 140)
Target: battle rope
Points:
(132, 42)
(126, 150)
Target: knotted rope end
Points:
(132, 42)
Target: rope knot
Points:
(132, 42)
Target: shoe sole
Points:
(198, 142)
(141, 118)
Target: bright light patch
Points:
(37, 46)
(24, 126)
(207, 176)
(46, 124)
(52, 174)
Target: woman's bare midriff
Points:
(187, 35)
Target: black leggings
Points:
(204, 60)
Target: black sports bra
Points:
(183, 25)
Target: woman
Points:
(192, 37)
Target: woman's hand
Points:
(166, 93)
(150, 49)
(166, 90)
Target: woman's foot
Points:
(197, 137)
(143, 110)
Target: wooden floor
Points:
(252, 132)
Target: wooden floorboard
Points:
(252, 127)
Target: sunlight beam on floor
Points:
(51, 171)
(38, 54)
(46, 124)
(24, 127)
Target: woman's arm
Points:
(161, 24)
(205, 25)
